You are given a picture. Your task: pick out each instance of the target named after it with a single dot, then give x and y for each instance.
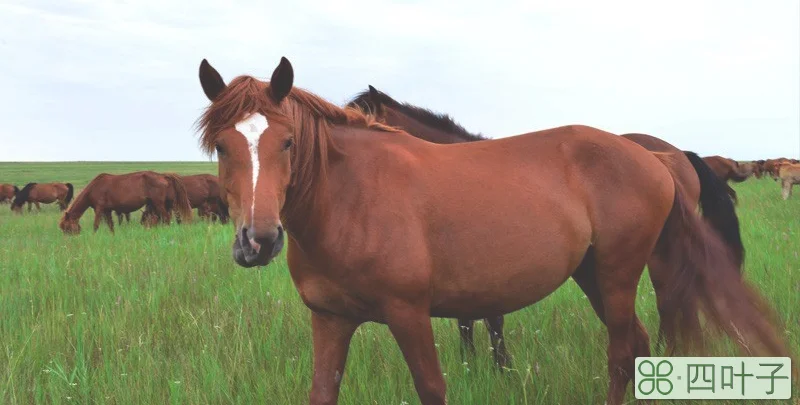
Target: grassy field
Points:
(164, 316)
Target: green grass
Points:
(164, 316)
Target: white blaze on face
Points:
(251, 128)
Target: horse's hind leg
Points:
(38, 207)
(109, 220)
(98, 215)
(495, 327)
(786, 185)
(467, 342)
(128, 217)
(617, 278)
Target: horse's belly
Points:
(501, 289)
(484, 273)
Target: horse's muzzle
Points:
(251, 252)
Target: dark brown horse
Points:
(176, 192)
(385, 227)
(7, 192)
(126, 193)
(44, 193)
(691, 173)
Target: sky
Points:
(117, 80)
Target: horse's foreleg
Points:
(411, 327)
(787, 189)
(331, 337)
(38, 207)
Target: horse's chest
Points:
(323, 295)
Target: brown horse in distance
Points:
(691, 173)
(204, 194)
(729, 170)
(789, 175)
(7, 192)
(126, 193)
(44, 193)
(385, 227)
(201, 191)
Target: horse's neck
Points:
(81, 203)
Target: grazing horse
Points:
(7, 192)
(204, 194)
(691, 173)
(384, 227)
(125, 193)
(44, 193)
(177, 197)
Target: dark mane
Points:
(441, 121)
(23, 195)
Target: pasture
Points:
(164, 316)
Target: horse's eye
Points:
(287, 144)
(219, 149)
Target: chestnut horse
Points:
(44, 193)
(729, 169)
(125, 193)
(176, 192)
(691, 173)
(7, 192)
(385, 227)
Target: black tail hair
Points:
(717, 206)
(23, 195)
(70, 194)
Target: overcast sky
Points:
(117, 80)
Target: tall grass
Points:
(164, 316)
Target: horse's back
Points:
(680, 166)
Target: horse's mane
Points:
(443, 122)
(23, 195)
(310, 116)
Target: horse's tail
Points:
(703, 275)
(718, 209)
(70, 194)
(23, 195)
(181, 196)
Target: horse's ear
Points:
(375, 101)
(211, 80)
(282, 80)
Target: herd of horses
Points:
(395, 214)
(158, 194)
